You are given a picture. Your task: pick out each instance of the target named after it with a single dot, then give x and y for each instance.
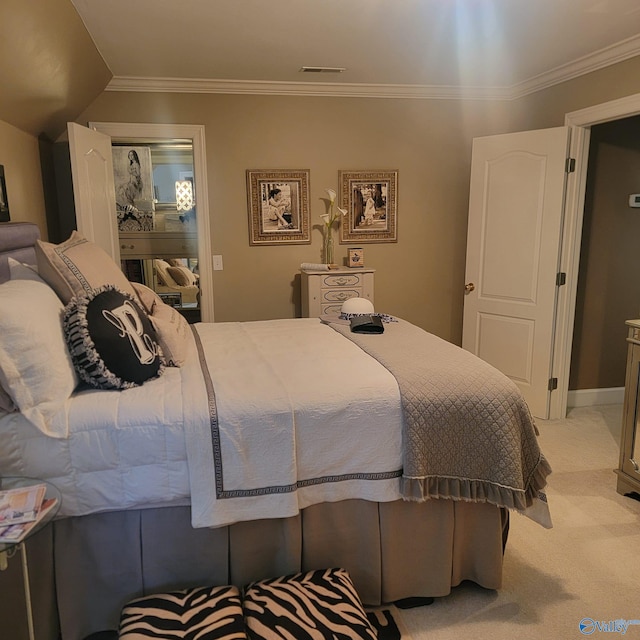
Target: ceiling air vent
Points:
(322, 69)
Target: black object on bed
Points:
(366, 324)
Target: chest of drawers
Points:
(323, 292)
(629, 466)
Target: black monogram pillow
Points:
(111, 340)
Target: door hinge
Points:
(553, 384)
(571, 165)
(561, 278)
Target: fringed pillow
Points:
(111, 340)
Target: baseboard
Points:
(593, 397)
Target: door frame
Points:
(195, 133)
(580, 123)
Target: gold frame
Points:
(379, 223)
(267, 222)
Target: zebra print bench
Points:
(316, 604)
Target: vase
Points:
(328, 247)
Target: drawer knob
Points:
(127, 246)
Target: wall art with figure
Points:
(278, 204)
(370, 198)
(133, 177)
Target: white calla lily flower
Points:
(343, 211)
(332, 195)
(325, 217)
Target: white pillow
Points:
(21, 271)
(35, 365)
(17, 271)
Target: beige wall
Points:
(428, 141)
(420, 277)
(19, 154)
(49, 68)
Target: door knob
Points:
(469, 287)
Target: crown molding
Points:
(605, 57)
(331, 89)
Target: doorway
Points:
(166, 136)
(608, 294)
(580, 123)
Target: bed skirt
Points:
(391, 550)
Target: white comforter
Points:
(303, 416)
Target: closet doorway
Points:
(171, 241)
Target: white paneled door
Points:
(516, 204)
(93, 187)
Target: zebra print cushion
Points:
(306, 606)
(204, 613)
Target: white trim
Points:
(595, 397)
(613, 54)
(580, 123)
(195, 132)
(332, 89)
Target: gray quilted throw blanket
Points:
(468, 433)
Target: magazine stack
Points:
(20, 511)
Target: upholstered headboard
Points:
(17, 240)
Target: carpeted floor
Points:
(587, 566)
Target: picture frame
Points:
(4, 200)
(133, 176)
(356, 257)
(371, 200)
(278, 206)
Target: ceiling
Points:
(491, 48)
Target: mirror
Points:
(156, 209)
(143, 245)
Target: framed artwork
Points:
(4, 201)
(133, 176)
(370, 198)
(278, 203)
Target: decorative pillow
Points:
(111, 340)
(77, 266)
(316, 604)
(172, 327)
(36, 370)
(163, 276)
(182, 276)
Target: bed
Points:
(267, 448)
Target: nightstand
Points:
(323, 292)
(9, 550)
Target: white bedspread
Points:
(301, 416)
